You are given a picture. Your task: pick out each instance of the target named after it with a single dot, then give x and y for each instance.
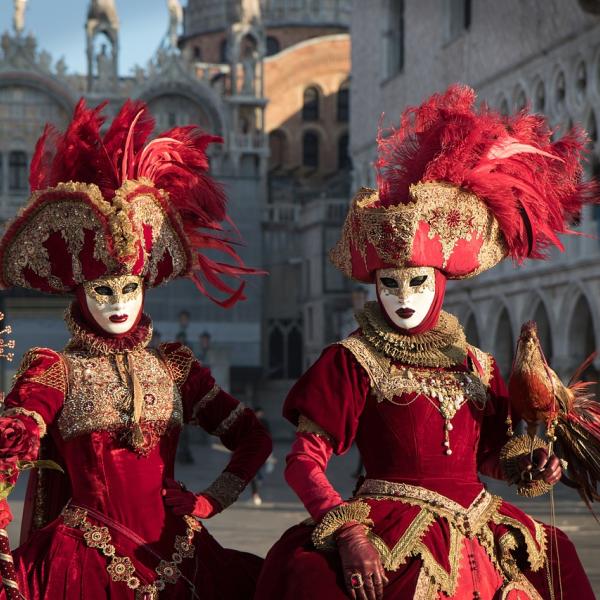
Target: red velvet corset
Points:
(125, 486)
(406, 443)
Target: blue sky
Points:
(58, 26)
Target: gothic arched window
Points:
(273, 45)
(310, 105)
(310, 149)
(343, 156)
(17, 171)
(343, 103)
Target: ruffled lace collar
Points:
(84, 338)
(443, 346)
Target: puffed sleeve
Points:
(330, 395)
(494, 426)
(220, 414)
(39, 389)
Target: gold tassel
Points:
(138, 404)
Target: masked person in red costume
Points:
(458, 190)
(109, 217)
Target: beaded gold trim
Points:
(120, 568)
(486, 362)
(451, 214)
(426, 588)
(393, 559)
(97, 344)
(204, 402)
(323, 534)
(19, 410)
(510, 460)
(471, 522)
(443, 346)
(26, 362)
(227, 423)
(305, 425)
(389, 381)
(226, 488)
(55, 376)
(179, 362)
(468, 521)
(522, 584)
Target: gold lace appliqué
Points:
(100, 396)
(179, 362)
(471, 522)
(226, 488)
(443, 346)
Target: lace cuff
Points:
(225, 489)
(510, 461)
(323, 533)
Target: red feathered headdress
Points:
(118, 204)
(460, 188)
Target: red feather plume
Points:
(175, 161)
(533, 186)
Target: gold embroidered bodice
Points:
(99, 395)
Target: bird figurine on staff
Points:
(571, 417)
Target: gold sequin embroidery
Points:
(471, 522)
(305, 425)
(443, 346)
(178, 361)
(226, 488)
(392, 230)
(204, 402)
(100, 398)
(228, 422)
(388, 381)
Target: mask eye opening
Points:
(389, 282)
(130, 288)
(418, 281)
(103, 290)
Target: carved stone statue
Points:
(250, 11)
(102, 11)
(249, 60)
(104, 66)
(175, 20)
(19, 15)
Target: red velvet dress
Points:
(438, 532)
(83, 397)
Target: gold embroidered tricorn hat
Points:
(460, 189)
(119, 205)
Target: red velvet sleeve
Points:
(332, 394)
(206, 405)
(39, 389)
(305, 473)
(494, 427)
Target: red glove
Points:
(5, 514)
(183, 502)
(542, 466)
(363, 572)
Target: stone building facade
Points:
(306, 69)
(543, 53)
(35, 90)
(272, 78)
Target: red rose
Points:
(5, 514)
(19, 437)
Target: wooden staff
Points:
(7, 569)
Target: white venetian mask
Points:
(406, 294)
(115, 302)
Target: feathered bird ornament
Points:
(570, 414)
